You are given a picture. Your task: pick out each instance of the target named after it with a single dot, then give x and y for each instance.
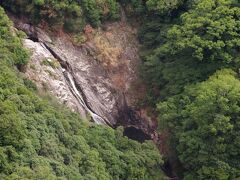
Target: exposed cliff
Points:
(95, 77)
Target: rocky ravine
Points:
(93, 78)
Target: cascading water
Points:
(96, 118)
(72, 86)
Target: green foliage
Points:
(79, 38)
(208, 32)
(185, 43)
(51, 62)
(40, 139)
(10, 46)
(113, 12)
(74, 25)
(66, 14)
(163, 6)
(191, 46)
(134, 7)
(99, 10)
(170, 77)
(92, 11)
(57, 13)
(204, 121)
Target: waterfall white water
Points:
(96, 118)
(72, 86)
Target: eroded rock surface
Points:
(103, 69)
(46, 71)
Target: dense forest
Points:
(192, 64)
(190, 53)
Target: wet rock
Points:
(46, 72)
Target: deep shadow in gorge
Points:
(136, 134)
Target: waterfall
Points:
(73, 87)
(97, 119)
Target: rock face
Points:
(90, 78)
(46, 71)
(93, 78)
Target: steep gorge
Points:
(94, 78)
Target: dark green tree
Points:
(204, 123)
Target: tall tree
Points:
(204, 122)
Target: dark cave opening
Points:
(136, 134)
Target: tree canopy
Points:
(204, 122)
(190, 46)
(191, 66)
(163, 6)
(210, 32)
(72, 15)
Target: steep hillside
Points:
(41, 139)
(166, 70)
(93, 72)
